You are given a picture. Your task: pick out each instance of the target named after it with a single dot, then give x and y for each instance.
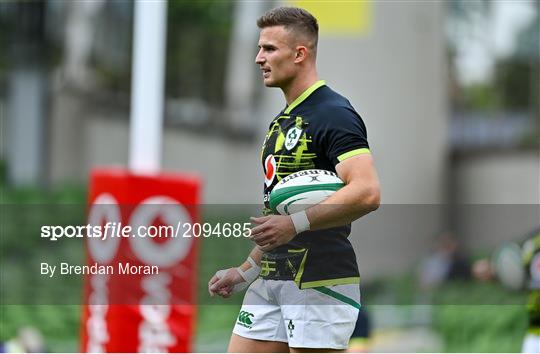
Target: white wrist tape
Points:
(252, 273)
(300, 221)
(249, 275)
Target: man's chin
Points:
(269, 83)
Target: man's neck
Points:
(302, 83)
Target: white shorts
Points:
(531, 343)
(277, 310)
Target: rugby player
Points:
(530, 254)
(304, 293)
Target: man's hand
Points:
(272, 231)
(229, 281)
(224, 281)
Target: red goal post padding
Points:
(139, 312)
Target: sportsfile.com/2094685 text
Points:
(114, 229)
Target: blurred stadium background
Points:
(449, 91)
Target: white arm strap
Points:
(300, 221)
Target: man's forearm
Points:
(343, 207)
(256, 255)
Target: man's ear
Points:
(301, 54)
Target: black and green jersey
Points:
(316, 131)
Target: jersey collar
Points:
(304, 95)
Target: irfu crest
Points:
(292, 137)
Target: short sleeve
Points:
(344, 134)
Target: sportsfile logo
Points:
(244, 319)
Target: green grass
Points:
(26, 300)
(481, 328)
(59, 324)
(478, 317)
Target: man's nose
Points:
(259, 59)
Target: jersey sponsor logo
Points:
(269, 170)
(292, 137)
(245, 319)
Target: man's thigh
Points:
(319, 318)
(259, 321)
(240, 344)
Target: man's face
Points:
(276, 56)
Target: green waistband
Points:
(330, 282)
(534, 330)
